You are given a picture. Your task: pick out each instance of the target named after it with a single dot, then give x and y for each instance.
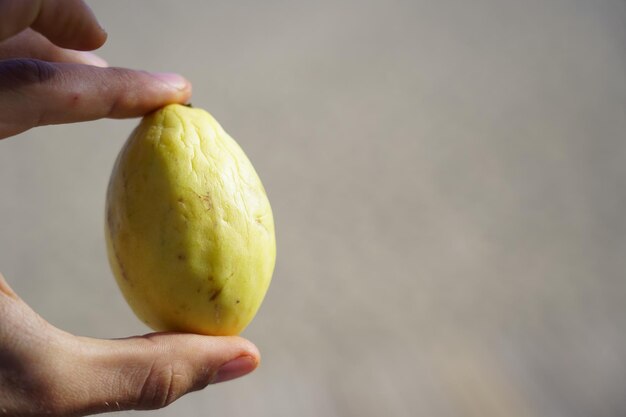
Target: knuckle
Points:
(165, 383)
(24, 71)
(126, 90)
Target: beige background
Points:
(449, 186)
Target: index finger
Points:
(37, 93)
(67, 23)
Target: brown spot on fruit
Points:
(215, 294)
(181, 257)
(206, 199)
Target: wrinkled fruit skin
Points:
(189, 228)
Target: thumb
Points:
(44, 370)
(151, 371)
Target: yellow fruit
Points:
(189, 229)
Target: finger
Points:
(51, 372)
(31, 44)
(148, 372)
(41, 93)
(67, 23)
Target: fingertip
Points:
(95, 35)
(69, 27)
(94, 39)
(235, 368)
(252, 350)
(172, 80)
(177, 88)
(104, 35)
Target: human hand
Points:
(42, 82)
(44, 370)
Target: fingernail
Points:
(235, 368)
(95, 60)
(172, 79)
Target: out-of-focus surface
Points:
(449, 187)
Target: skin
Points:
(47, 78)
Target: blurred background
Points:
(448, 182)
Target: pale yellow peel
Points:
(189, 228)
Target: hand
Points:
(44, 370)
(43, 83)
